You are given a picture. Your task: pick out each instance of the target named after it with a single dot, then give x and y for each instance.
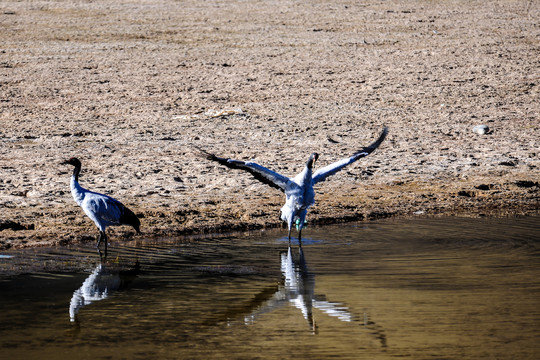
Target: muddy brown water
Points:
(447, 288)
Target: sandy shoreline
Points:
(130, 86)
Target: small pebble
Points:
(480, 129)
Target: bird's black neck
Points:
(76, 172)
(310, 162)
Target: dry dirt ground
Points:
(128, 86)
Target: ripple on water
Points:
(445, 288)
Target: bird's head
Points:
(312, 159)
(73, 161)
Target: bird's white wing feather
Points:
(325, 172)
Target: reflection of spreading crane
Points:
(298, 290)
(300, 287)
(101, 283)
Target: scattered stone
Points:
(526, 184)
(331, 140)
(484, 187)
(466, 193)
(9, 224)
(22, 193)
(481, 129)
(379, 215)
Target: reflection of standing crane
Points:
(101, 283)
(298, 290)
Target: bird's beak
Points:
(65, 162)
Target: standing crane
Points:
(102, 209)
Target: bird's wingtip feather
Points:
(200, 152)
(382, 136)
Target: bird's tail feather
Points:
(129, 218)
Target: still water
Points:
(449, 288)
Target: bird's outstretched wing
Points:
(322, 174)
(260, 173)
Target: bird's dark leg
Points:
(105, 239)
(289, 234)
(300, 238)
(100, 237)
